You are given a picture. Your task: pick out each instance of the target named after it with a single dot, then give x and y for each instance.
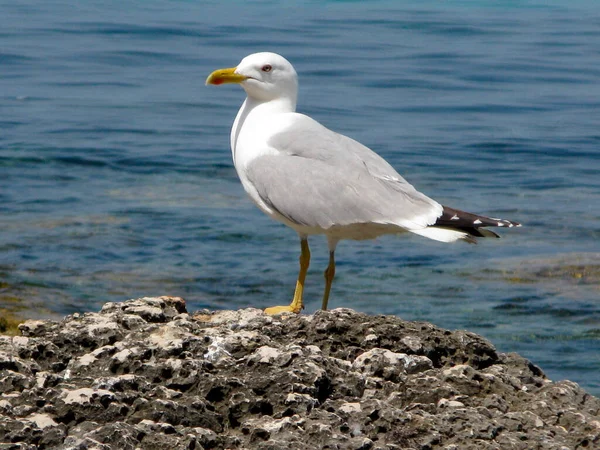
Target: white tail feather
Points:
(442, 234)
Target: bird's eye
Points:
(266, 68)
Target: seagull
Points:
(317, 181)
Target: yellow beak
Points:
(223, 76)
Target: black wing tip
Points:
(474, 225)
(456, 218)
(503, 223)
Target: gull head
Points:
(264, 76)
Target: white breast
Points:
(250, 134)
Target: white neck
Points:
(251, 107)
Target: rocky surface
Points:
(146, 374)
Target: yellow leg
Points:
(296, 305)
(329, 274)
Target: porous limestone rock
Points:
(146, 374)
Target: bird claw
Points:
(282, 309)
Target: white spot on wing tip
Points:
(477, 222)
(454, 217)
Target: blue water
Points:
(116, 178)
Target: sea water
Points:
(116, 179)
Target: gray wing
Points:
(320, 179)
(309, 139)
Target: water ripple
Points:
(116, 177)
